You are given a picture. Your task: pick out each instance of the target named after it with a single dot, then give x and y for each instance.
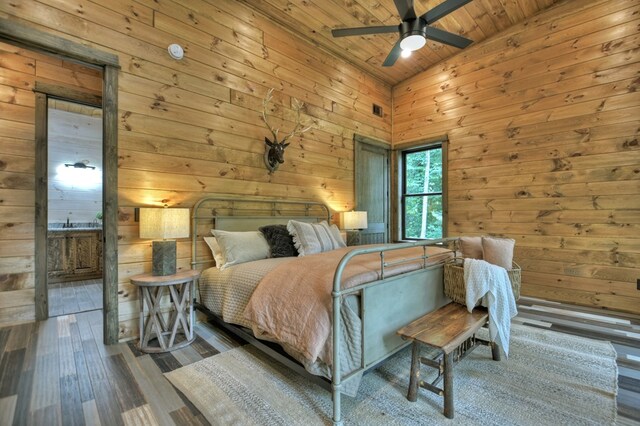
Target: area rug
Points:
(549, 379)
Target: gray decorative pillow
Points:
(279, 240)
(311, 238)
(241, 247)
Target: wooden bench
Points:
(450, 329)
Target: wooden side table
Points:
(178, 331)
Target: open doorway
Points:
(27, 36)
(74, 212)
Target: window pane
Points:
(423, 217)
(423, 171)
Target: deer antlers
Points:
(296, 105)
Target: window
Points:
(422, 196)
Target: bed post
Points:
(335, 376)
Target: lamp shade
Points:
(354, 220)
(163, 223)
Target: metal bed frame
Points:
(414, 294)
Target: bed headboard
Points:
(246, 214)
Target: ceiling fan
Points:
(414, 30)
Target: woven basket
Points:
(455, 289)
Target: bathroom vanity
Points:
(74, 254)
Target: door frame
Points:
(37, 40)
(44, 92)
(360, 140)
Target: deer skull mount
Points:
(274, 149)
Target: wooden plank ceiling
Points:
(314, 20)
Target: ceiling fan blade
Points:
(345, 32)
(405, 9)
(393, 56)
(443, 9)
(446, 37)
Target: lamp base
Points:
(164, 257)
(353, 238)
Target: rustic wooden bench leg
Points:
(414, 379)
(448, 385)
(495, 351)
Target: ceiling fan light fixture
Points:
(413, 42)
(413, 30)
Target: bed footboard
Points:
(386, 306)
(393, 304)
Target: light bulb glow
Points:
(413, 42)
(75, 178)
(405, 53)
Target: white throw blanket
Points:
(491, 283)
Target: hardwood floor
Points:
(59, 372)
(74, 297)
(622, 330)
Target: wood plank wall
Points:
(19, 70)
(192, 127)
(543, 122)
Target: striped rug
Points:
(549, 379)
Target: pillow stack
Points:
(498, 251)
(294, 239)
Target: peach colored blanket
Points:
(292, 304)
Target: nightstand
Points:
(156, 333)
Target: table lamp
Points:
(164, 223)
(354, 222)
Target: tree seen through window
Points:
(422, 198)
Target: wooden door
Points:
(85, 253)
(372, 188)
(57, 256)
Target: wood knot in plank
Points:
(559, 165)
(610, 46)
(123, 216)
(543, 213)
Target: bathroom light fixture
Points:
(79, 165)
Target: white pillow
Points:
(337, 235)
(215, 251)
(311, 238)
(241, 247)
